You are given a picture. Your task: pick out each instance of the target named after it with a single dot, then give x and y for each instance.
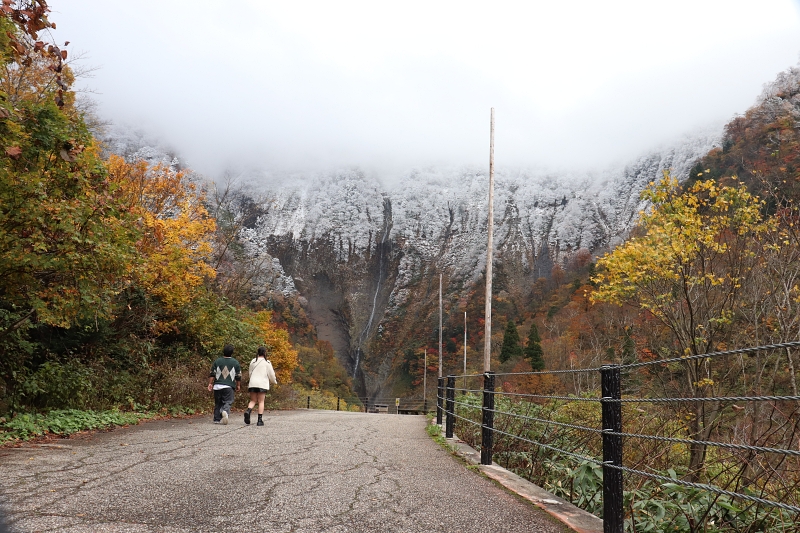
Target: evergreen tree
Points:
(628, 348)
(511, 346)
(533, 351)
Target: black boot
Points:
(247, 416)
(260, 421)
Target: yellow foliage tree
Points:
(687, 267)
(279, 350)
(176, 229)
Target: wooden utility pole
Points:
(465, 351)
(487, 332)
(425, 383)
(440, 324)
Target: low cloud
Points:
(317, 85)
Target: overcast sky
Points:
(391, 85)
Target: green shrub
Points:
(56, 384)
(63, 422)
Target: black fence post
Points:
(613, 515)
(337, 402)
(451, 394)
(308, 402)
(487, 430)
(439, 396)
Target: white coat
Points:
(262, 374)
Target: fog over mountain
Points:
(309, 86)
(360, 252)
(363, 133)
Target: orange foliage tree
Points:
(280, 352)
(176, 229)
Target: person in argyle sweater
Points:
(224, 376)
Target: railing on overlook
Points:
(748, 477)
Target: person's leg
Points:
(261, 396)
(227, 401)
(253, 398)
(217, 405)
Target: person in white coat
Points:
(261, 376)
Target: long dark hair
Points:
(262, 352)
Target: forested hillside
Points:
(120, 278)
(124, 273)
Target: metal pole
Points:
(337, 403)
(488, 419)
(487, 332)
(451, 385)
(440, 324)
(613, 515)
(308, 402)
(439, 394)
(465, 354)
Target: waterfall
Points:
(387, 225)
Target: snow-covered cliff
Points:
(374, 246)
(364, 257)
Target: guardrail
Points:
(780, 491)
(373, 404)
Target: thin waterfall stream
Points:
(387, 225)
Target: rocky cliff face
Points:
(366, 257)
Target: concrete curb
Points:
(576, 519)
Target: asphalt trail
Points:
(305, 471)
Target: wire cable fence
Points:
(708, 447)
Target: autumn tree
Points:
(687, 269)
(511, 345)
(176, 232)
(65, 244)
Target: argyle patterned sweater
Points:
(226, 371)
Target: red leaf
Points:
(63, 54)
(14, 152)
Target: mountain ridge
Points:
(366, 252)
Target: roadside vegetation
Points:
(710, 267)
(120, 280)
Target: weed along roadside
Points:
(65, 423)
(571, 516)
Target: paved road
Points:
(305, 471)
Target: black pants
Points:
(223, 398)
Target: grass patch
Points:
(26, 426)
(436, 433)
